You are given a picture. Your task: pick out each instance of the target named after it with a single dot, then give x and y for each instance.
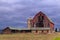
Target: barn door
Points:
(40, 21)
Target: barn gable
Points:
(42, 14)
(40, 20)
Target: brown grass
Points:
(29, 36)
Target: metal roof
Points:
(49, 19)
(44, 28)
(45, 15)
(18, 28)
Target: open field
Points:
(57, 38)
(30, 36)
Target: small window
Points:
(42, 17)
(13, 31)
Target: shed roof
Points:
(14, 28)
(44, 28)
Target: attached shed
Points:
(9, 30)
(6, 30)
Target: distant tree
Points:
(56, 30)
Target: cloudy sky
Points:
(16, 12)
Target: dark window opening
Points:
(36, 31)
(40, 21)
(13, 31)
(39, 24)
(42, 17)
(25, 31)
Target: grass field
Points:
(57, 38)
(30, 36)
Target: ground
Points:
(57, 38)
(30, 36)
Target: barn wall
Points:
(47, 22)
(6, 31)
(52, 27)
(35, 19)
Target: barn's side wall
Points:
(6, 31)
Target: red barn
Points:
(41, 21)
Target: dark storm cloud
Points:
(16, 12)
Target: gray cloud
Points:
(16, 12)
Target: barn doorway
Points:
(40, 21)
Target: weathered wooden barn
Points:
(40, 20)
(40, 23)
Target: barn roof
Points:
(47, 28)
(44, 14)
(50, 19)
(15, 28)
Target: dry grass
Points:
(29, 36)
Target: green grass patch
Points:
(57, 38)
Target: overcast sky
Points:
(16, 12)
